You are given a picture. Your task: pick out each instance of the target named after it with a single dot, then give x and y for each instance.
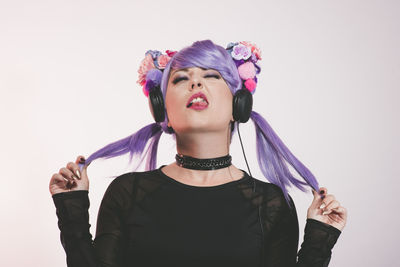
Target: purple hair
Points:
(272, 154)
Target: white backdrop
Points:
(329, 87)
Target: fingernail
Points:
(82, 160)
(325, 212)
(322, 191)
(322, 206)
(78, 174)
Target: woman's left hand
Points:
(327, 209)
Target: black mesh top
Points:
(150, 219)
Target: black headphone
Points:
(241, 107)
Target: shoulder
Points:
(130, 182)
(272, 196)
(269, 190)
(122, 189)
(275, 209)
(122, 181)
(126, 180)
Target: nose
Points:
(198, 84)
(196, 81)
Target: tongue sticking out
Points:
(198, 104)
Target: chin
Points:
(202, 127)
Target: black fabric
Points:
(150, 219)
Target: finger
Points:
(316, 201)
(336, 217)
(339, 214)
(58, 179)
(326, 201)
(317, 196)
(67, 174)
(80, 160)
(323, 191)
(332, 205)
(73, 167)
(341, 211)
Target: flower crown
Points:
(244, 54)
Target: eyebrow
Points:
(185, 70)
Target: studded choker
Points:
(203, 164)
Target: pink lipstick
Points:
(197, 101)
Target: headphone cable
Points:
(244, 154)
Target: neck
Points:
(203, 146)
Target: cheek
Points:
(225, 108)
(224, 105)
(173, 104)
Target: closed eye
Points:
(213, 75)
(178, 79)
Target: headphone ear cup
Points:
(156, 103)
(242, 105)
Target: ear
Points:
(169, 126)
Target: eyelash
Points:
(176, 80)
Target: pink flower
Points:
(146, 65)
(162, 61)
(247, 70)
(170, 53)
(250, 84)
(254, 49)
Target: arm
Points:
(73, 222)
(281, 242)
(319, 239)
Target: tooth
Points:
(198, 99)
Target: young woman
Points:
(200, 210)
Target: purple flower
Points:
(231, 45)
(154, 53)
(258, 69)
(238, 62)
(253, 58)
(241, 52)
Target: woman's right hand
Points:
(70, 178)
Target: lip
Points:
(199, 94)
